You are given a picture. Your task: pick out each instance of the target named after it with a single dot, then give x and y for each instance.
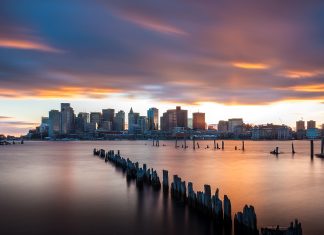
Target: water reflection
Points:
(59, 188)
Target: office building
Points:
(119, 121)
(132, 121)
(198, 121)
(222, 126)
(311, 124)
(235, 124)
(96, 118)
(54, 121)
(153, 118)
(300, 125)
(67, 119)
(108, 115)
(174, 118)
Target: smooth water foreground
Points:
(61, 188)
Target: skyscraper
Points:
(119, 121)
(132, 121)
(108, 115)
(54, 121)
(153, 118)
(142, 124)
(198, 121)
(81, 122)
(311, 124)
(95, 118)
(67, 119)
(174, 118)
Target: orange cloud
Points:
(61, 92)
(26, 45)
(152, 24)
(309, 88)
(299, 74)
(245, 65)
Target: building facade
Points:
(173, 118)
(153, 119)
(67, 119)
(198, 121)
(54, 121)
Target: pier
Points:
(202, 202)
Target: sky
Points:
(260, 60)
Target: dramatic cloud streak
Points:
(26, 45)
(251, 52)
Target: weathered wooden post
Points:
(243, 146)
(193, 142)
(312, 148)
(214, 143)
(292, 148)
(222, 144)
(176, 142)
(185, 142)
(165, 181)
(227, 211)
(322, 146)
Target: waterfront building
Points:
(311, 124)
(54, 121)
(222, 126)
(153, 118)
(212, 127)
(67, 119)
(235, 124)
(174, 118)
(198, 121)
(271, 132)
(119, 121)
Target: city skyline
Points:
(262, 61)
(24, 127)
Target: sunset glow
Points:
(120, 54)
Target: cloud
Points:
(152, 24)
(216, 51)
(26, 45)
(17, 123)
(245, 65)
(4, 117)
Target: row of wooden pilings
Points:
(196, 144)
(220, 212)
(6, 142)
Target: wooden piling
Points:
(165, 181)
(193, 142)
(214, 143)
(176, 142)
(292, 148)
(322, 146)
(222, 144)
(243, 148)
(312, 148)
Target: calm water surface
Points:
(60, 188)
